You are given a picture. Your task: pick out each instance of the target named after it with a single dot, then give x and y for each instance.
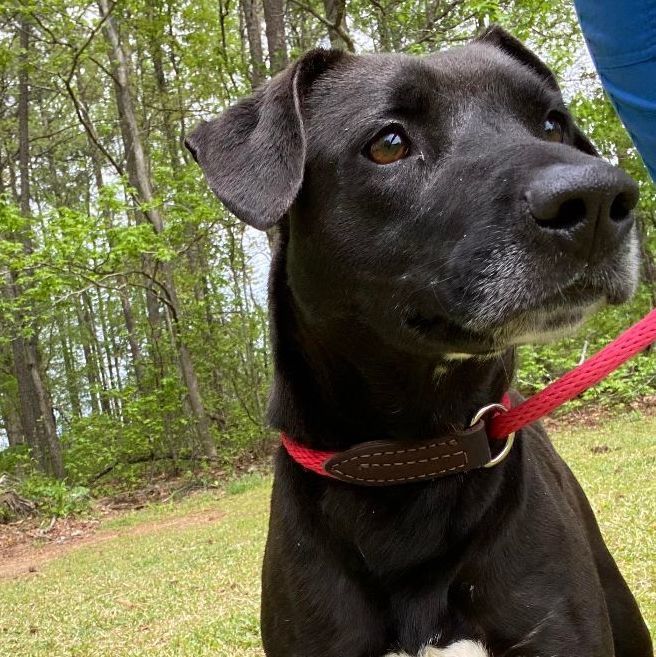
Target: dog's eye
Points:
(388, 147)
(554, 127)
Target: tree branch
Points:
(350, 46)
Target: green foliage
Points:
(16, 460)
(541, 365)
(53, 497)
(92, 276)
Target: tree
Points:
(36, 412)
(132, 319)
(138, 175)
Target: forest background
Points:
(133, 332)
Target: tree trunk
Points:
(69, 367)
(89, 318)
(155, 48)
(50, 446)
(111, 344)
(89, 365)
(27, 406)
(251, 11)
(178, 81)
(138, 174)
(124, 294)
(11, 421)
(274, 16)
(336, 14)
(130, 327)
(383, 28)
(11, 424)
(37, 416)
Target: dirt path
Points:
(24, 552)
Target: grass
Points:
(615, 464)
(165, 588)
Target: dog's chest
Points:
(463, 648)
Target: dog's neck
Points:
(330, 392)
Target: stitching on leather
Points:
(398, 451)
(421, 476)
(389, 465)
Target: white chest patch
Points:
(458, 649)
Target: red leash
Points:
(503, 424)
(591, 371)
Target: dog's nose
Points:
(585, 202)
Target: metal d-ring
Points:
(509, 440)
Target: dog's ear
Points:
(497, 36)
(253, 155)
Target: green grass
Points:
(166, 588)
(616, 464)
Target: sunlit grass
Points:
(192, 590)
(615, 463)
(181, 591)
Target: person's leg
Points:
(621, 37)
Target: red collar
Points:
(387, 462)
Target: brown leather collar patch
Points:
(384, 462)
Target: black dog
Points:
(433, 213)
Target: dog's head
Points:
(447, 203)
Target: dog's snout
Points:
(586, 201)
